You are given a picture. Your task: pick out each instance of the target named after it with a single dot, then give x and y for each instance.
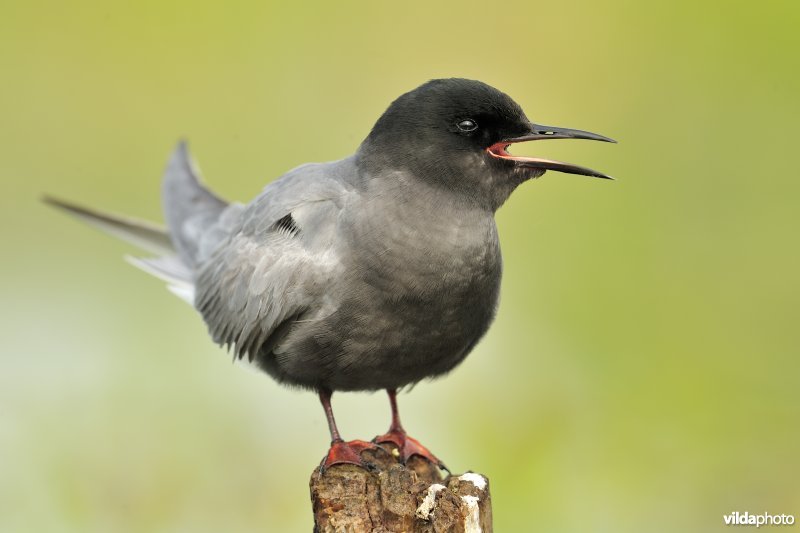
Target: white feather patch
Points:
(185, 293)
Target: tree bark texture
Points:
(391, 497)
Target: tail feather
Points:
(189, 207)
(190, 210)
(170, 269)
(140, 233)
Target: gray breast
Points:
(418, 289)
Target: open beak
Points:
(539, 132)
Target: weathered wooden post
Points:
(392, 497)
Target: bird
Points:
(373, 272)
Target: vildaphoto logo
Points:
(764, 519)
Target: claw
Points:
(407, 447)
(342, 452)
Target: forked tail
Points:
(189, 209)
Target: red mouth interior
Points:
(498, 150)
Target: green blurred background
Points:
(642, 374)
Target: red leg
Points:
(341, 452)
(407, 447)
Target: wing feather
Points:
(272, 270)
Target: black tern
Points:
(372, 272)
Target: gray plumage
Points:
(375, 271)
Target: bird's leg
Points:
(341, 452)
(406, 446)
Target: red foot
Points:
(407, 447)
(342, 452)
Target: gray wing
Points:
(274, 266)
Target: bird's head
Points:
(456, 133)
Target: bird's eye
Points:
(467, 125)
